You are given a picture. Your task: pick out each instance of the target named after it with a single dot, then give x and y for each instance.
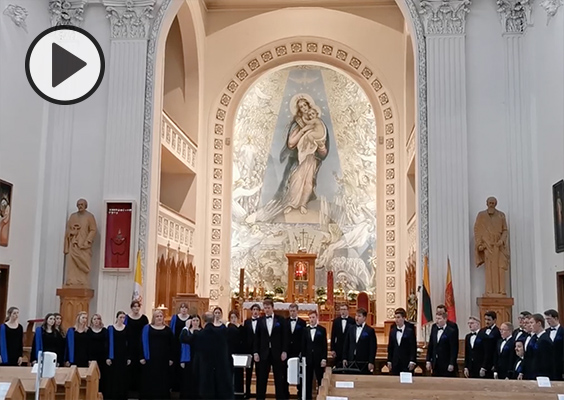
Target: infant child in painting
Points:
(313, 135)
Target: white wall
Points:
(545, 49)
(22, 114)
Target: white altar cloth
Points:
(282, 306)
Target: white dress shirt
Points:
(343, 324)
(440, 332)
(527, 342)
(502, 345)
(254, 325)
(489, 330)
(293, 325)
(359, 331)
(553, 332)
(269, 323)
(473, 339)
(312, 331)
(399, 334)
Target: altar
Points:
(303, 308)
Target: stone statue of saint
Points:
(491, 248)
(80, 233)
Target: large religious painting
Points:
(558, 201)
(5, 209)
(304, 177)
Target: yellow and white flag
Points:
(138, 285)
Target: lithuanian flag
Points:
(426, 296)
(449, 295)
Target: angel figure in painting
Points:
(306, 148)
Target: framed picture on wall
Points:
(118, 236)
(5, 210)
(558, 205)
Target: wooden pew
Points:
(67, 380)
(16, 390)
(423, 388)
(47, 388)
(89, 379)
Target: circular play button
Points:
(64, 65)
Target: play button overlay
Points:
(64, 65)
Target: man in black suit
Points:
(453, 325)
(338, 330)
(402, 345)
(250, 325)
(557, 337)
(473, 349)
(360, 345)
(441, 353)
(529, 349)
(542, 351)
(491, 337)
(270, 350)
(314, 349)
(504, 356)
(295, 328)
(522, 333)
(516, 372)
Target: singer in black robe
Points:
(78, 345)
(12, 339)
(98, 351)
(117, 384)
(157, 351)
(134, 329)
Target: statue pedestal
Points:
(73, 301)
(501, 305)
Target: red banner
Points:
(118, 232)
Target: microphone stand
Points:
(39, 373)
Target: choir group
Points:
(151, 360)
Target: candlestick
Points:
(241, 281)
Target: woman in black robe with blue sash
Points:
(11, 339)
(117, 384)
(156, 358)
(47, 338)
(177, 323)
(78, 342)
(135, 322)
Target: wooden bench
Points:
(71, 383)
(427, 388)
(47, 388)
(16, 390)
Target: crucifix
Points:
(302, 242)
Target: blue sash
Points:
(173, 323)
(185, 350)
(126, 319)
(70, 345)
(3, 344)
(38, 341)
(145, 341)
(111, 340)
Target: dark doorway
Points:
(560, 291)
(4, 275)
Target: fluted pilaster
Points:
(447, 157)
(515, 18)
(56, 206)
(124, 127)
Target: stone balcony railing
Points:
(176, 141)
(410, 145)
(175, 230)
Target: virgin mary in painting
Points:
(307, 145)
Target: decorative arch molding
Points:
(258, 63)
(166, 12)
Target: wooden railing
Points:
(175, 231)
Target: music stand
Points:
(351, 369)
(241, 361)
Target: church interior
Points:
(374, 158)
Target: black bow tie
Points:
(358, 326)
(268, 316)
(440, 329)
(293, 319)
(473, 333)
(254, 319)
(551, 329)
(399, 330)
(344, 318)
(313, 327)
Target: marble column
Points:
(130, 22)
(56, 206)
(444, 23)
(515, 17)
